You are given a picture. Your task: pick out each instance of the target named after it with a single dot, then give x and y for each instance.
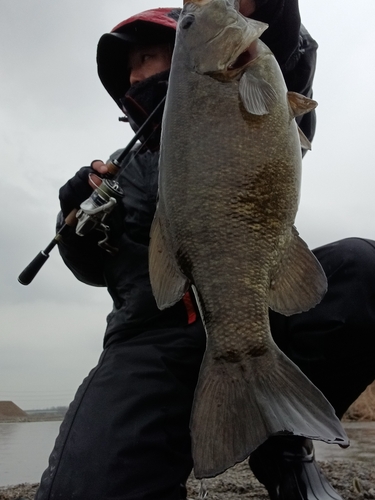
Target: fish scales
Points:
(228, 195)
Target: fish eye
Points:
(187, 21)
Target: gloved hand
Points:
(78, 188)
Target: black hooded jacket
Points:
(126, 274)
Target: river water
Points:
(25, 448)
(362, 444)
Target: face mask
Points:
(139, 102)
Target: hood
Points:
(150, 26)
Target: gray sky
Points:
(56, 117)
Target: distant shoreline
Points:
(28, 420)
(34, 417)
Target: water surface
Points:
(24, 450)
(362, 444)
(26, 446)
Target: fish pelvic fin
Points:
(299, 283)
(300, 104)
(256, 94)
(167, 281)
(237, 406)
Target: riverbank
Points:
(354, 480)
(33, 418)
(47, 418)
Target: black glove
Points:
(76, 190)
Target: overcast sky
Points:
(56, 117)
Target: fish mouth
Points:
(244, 59)
(237, 66)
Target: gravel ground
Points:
(353, 480)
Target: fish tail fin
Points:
(237, 406)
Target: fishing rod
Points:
(94, 210)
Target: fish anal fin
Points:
(237, 406)
(167, 281)
(300, 104)
(256, 94)
(299, 283)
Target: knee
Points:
(352, 258)
(350, 269)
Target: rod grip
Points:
(71, 219)
(30, 271)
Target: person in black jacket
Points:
(126, 434)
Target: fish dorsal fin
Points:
(299, 283)
(167, 281)
(256, 94)
(300, 104)
(305, 143)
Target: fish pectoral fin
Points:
(167, 281)
(256, 94)
(300, 104)
(305, 143)
(299, 282)
(237, 406)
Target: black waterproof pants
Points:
(126, 435)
